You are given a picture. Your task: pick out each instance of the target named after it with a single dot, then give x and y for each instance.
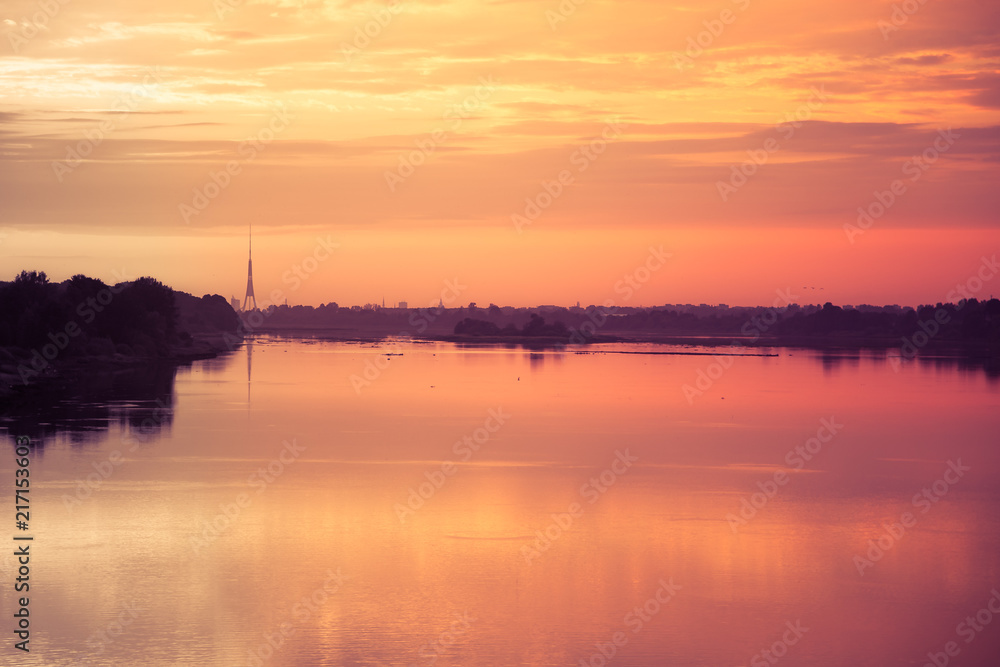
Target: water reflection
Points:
(833, 361)
(215, 577)
(84, 407)
(141, 400)
(248, 346)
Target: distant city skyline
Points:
(699, 269)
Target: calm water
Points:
(589, 501)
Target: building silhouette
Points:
(250, 297)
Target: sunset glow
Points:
(421, 136)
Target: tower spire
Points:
(250, 297)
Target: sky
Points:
(511, 152)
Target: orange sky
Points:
(414, 147)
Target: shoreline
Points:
(212, 345)
(56, 370)
(946, 348)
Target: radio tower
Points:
(250, 297)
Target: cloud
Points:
(357, 112)
(928, 59)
